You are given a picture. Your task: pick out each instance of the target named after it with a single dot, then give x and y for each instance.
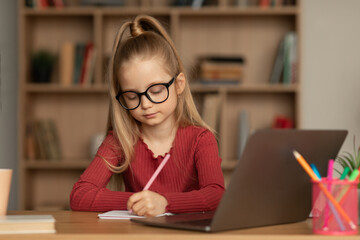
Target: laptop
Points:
(267, 186)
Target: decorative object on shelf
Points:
(42, 63)
(283, 122)
(243, 131)
(95, 143)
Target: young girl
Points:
(152, 114)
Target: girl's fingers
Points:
(140, 211)
(133, 199)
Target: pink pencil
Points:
(158, 170)
(329, 178)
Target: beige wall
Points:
(331, 66)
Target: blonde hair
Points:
(146, 39)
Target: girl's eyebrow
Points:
(152, 83)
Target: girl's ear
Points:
(180, 83)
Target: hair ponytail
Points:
(146, 38)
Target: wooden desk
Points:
(86, 225)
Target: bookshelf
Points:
(80, 112)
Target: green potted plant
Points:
(42, 63)
(352, 161)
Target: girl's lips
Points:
(151, 115)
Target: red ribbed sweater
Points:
(191, 180)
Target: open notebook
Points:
(123, 214)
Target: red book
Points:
(88, 48)
(58, 3)
(264, 3)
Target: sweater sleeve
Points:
(89, 192)
(211, 180)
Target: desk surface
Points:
(86, 225)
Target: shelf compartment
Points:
(78, 118)
(256, 39)
(262, 108)
(50, 188)
(57, 88)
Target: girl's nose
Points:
(145, 102)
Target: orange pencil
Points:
(310, 172)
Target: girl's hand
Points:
(147, 203)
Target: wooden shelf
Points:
(56, 88)
(80, 112)
(56, 165)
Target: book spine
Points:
(30, 142)
(278, 65)
(66, 63)
(40, 141)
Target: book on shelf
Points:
(102, 2)
(43, 140)
(285, 64)
(30, 144)
(277, 71)
(66, 63)
(290, 58)
(210, 110)
(265, 3)
(220, 69)
(25, 224)
(42, 4)
(77, 63)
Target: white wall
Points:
(8, 93)
(331, 66)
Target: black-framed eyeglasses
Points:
(156, 93)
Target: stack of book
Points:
(41, 4)
(77, 63)
(42, 140)
(265, 3)
(221, 70)
(285, 65)
(25, 224)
